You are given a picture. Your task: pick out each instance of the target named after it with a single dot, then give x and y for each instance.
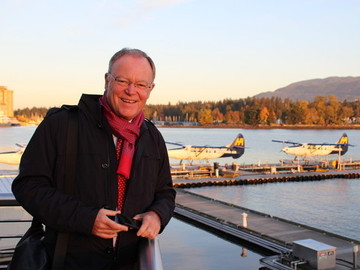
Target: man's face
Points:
(127, 101)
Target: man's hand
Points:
(106, 228)
(150, 226)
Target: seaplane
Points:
(13, 156)
(205, 152)
(316, 149)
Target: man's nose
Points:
(131, 89)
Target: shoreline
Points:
(238, 126)
(357, 126)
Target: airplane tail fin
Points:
(239, 145)
(344, 141)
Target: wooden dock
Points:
(207, 171)
(249, 178)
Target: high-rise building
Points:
(6, 102)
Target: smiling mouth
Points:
(128, 101)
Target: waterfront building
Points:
(6, 102)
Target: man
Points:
(122, 167)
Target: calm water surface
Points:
(331, 205)
(185, 247)
(259, 146)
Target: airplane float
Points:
(316, 149)
(192, 152)
(12, 157)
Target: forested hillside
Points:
(344, 88)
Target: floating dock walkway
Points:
(252, 178)
(207, 171)
(264, 231)
(257, 229)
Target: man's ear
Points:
(106, 80)
(152, 86)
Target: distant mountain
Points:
(343, 87)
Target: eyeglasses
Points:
(124, 83)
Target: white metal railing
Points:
(150, 255)
(9, 238)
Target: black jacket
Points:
(38, 187)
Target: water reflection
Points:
(186, 247)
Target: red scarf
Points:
(126, 132)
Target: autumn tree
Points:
(232, 117)
(205, 117)
(217, 115)
(264, 115)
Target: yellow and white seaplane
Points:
(12, 156)
(316, 149)
(192, 152)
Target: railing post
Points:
(150, 255)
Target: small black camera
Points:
(124, 220)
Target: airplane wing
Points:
(9, 152)
(207, 146)
(194, 146)
(288, 142)
(334, 144)
(21, 145)
(174, 143)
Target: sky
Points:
(204, 50)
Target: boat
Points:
(8, 122)
(12, 155)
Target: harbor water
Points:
(331, 205)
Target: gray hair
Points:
(133, 52)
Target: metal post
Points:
(150, 256)
(355, 251)
(216, 169)
(244, 215)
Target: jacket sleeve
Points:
(41, 178)
(164, 201)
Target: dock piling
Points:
(244, 215)
(355, 251)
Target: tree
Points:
(217, 115)
(346, 113)
(320, 106)
(205, 117)
(252, 115)
(232, 117)
(332, 115)
(264, 115)
(311, 116)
